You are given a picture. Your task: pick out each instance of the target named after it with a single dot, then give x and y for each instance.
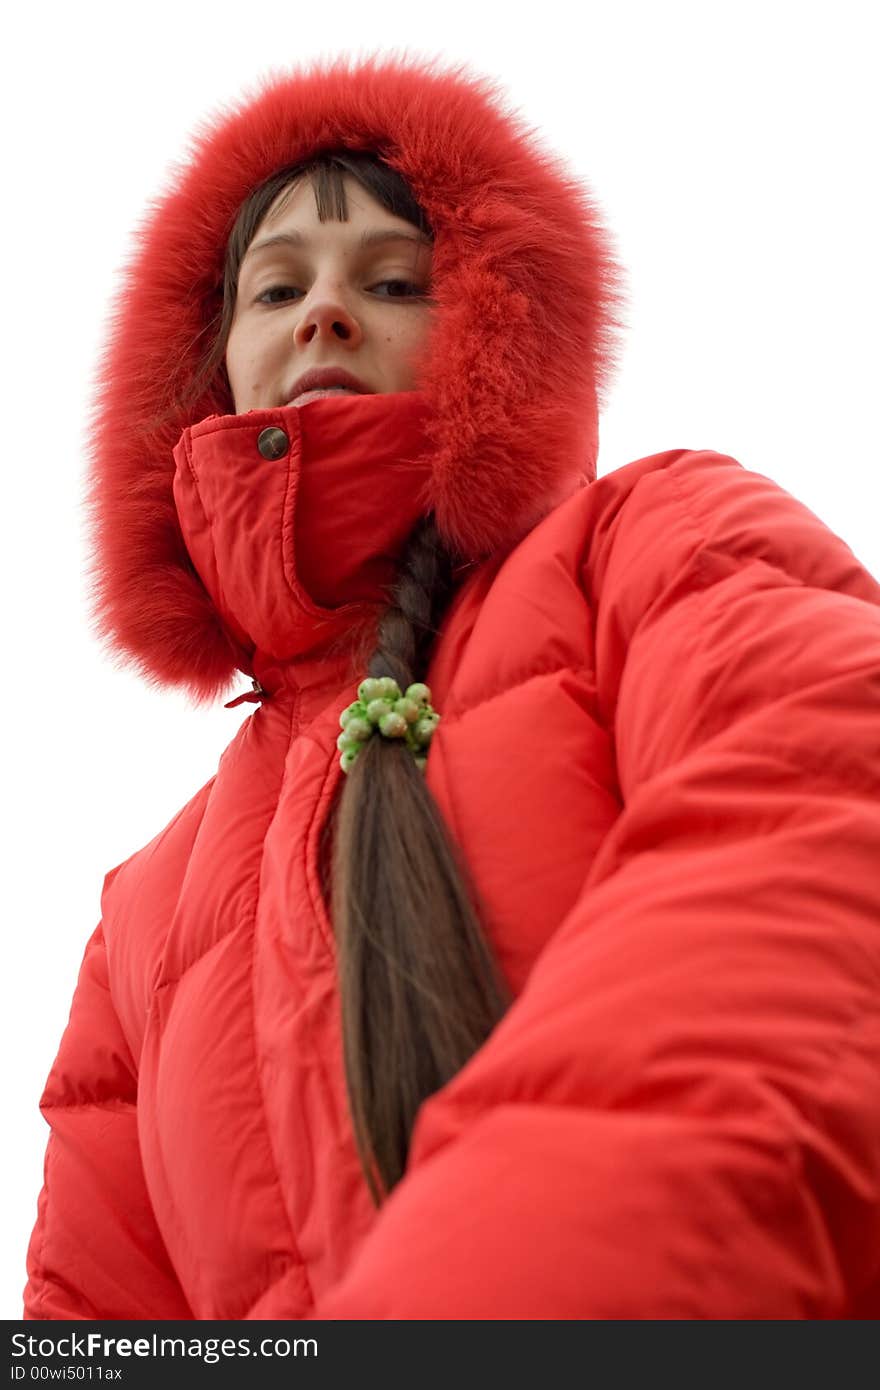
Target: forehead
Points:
(296, 206)
(292, 220)
(299, 200)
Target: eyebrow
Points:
(376, 237)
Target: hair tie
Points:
(381, 708)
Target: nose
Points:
(326, 315)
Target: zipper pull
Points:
(254, 696)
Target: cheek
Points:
(251, 362)
(409, 345)
(234, 357)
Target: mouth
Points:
(305, 396)
(324, 381)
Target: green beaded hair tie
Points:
(381, 707)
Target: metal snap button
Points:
(272, 442)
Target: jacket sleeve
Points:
(96, 1251)
(679, 1116)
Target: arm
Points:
(96, 1251)
(679, 1117)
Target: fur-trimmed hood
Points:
(527, 293)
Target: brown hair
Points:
(419, 988)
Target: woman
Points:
(552, 991)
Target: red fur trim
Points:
(527, 289)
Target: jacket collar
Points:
(298, 550)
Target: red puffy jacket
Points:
(658, 752)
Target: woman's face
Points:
(317, 297)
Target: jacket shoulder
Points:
(685, 518)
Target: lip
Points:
(318, 378)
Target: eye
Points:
(273, 289)
(406, 284)
(415, 291)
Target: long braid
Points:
(420, 990)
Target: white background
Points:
(732, 150)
